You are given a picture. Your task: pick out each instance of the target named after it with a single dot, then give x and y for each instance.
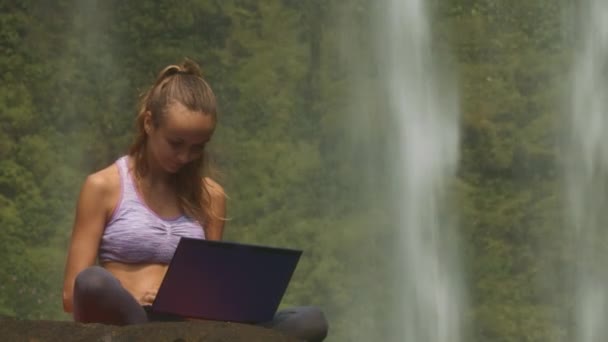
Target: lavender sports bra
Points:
(135, 234)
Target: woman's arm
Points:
(214, 229)
(88, 228)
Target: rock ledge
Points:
(42, 331)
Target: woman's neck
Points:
(156, 175)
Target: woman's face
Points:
(180, 138)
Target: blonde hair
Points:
(182, 83)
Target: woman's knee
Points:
(93, 281)
(316, 323)
(304, 322)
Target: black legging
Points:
(100, 298)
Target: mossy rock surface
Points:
(42, 331)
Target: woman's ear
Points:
(148, 122)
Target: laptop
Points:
(225, 281)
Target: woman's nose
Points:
(183, 157)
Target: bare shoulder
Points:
(215, 189)
(104, 181)
(103, 187)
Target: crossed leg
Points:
(100, 298)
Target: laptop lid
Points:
(225, 281)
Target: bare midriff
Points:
(138, 278)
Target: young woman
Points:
(131, 215)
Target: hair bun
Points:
(190, 67)
(187, 67)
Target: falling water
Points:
(587, 173)
(423, 153)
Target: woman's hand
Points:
(148, 297)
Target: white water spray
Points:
(587, 173)
(424, 158)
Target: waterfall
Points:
(587, 173)
(422, 152)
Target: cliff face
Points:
(43, 331)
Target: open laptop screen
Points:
(225, 281)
